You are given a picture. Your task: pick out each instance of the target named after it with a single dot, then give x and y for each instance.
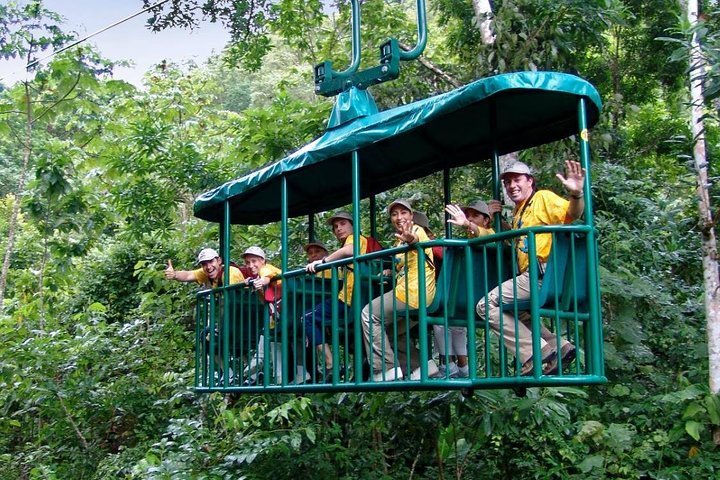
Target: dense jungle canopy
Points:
(96, 348)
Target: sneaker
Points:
(462, 372)
(301, 376)
(444, 371)
(432, 371)
(392, 374)
(567, 355)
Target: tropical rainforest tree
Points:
(96, 349)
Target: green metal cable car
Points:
(246, 342)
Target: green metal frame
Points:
(582, 323)
(329, 82)
(511, 112)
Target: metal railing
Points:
(261, 347)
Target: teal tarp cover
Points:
(408, 142)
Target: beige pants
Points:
(380, 323)
(548, 340)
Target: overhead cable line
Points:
(35, 62)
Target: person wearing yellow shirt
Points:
(211, 271)
(476, 220)
(263, 280)
(316, 318)
(377, 316)
(316, 251)
(209, 275)
(532, 208)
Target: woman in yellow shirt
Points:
(377, 316)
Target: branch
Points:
(434, 68)
(70, 90)
(72, 422)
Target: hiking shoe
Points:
(527, 367)
(567, 355)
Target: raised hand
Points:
(170, 271)
(457, 216)
(406, 234)
(573, 181)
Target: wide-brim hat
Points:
(257, 251)
(517, 167)
(419, 218)
(207, 254)
(338, 215)
(478, 206)
(314, 244)
(400, 201)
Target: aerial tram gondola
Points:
(362, 153)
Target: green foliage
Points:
(29, 28)
(96, 348)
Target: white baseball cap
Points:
(257, 251)
(207, 254)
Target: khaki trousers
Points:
(379, 323)
(521, 291)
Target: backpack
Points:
(243, 269)
(373, 245)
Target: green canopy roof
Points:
(409, 142)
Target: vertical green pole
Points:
(422, 317)
(356, 52)
(357, 301)
(447, 199)
(213, 326)
(596, 341)
(497, 187)
(311, 227)
(284, 265)
(421, 32)
(199, 315)
(497, 222)
(470, 306)
(225, 294)
(534, 306)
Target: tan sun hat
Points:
(257, 251)
(337, 215)
(517, 167)
(419, 218)
(207, 254)
(478, 206)
(400, 201)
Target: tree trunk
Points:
(709, 244)
(483, 20)
(12, 227)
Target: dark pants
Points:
(318, 318)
